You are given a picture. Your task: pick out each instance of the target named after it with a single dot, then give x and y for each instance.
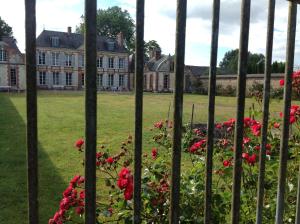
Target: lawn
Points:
(61, 122)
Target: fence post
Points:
(211, 110)
(266, 102)
(292, 21)
(139, 79)
(90, 47)
(31, 104)
(239, 126)
(178, 102)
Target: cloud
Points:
(160, 24)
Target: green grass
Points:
(60, 123)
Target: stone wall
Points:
(231, 80)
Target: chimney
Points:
(155, 53)
(120, 39)
(69, 30)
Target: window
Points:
(68, 78)
(145, 82)
(110, 62)
(13, 77)
(166, 81)
(55, 58)
(100, 62)
(121, 62)
(55, 78)
(82, 79)
(68, 60)
(42, 79)
(42, 58)
(110, 80)
(3, 55)
(111, 45)
(81, 60)
(99, 80)
(54, 41)
(121, 80)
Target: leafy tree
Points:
(5, 29)
(278, 67)
(229, 62)
(112, 21)
(149, 46)
(256, 63)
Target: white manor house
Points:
(60, 62)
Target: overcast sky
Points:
(160, 24)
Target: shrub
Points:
(114, 172)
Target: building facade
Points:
(60, 62)
(12, 67)
(159, 73)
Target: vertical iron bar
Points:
(268, 71)
(211, 110)
(178, 103)
(192, 117)
(290, 51)
(31, 104)
(239, 127)
(298, 201)
(139, 79)
(90, 45)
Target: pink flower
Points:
(158, 125)
(276, 125)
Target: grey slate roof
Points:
(11, 42)
(196, 70)
(74, 41)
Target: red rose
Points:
(79, 143)
(110, 160)
(74, 181)
(51, 221)
(281, 82)
(154, 153)
(246, 140)
(226, 163)
(79, 210)
(68, 191)
(82, 194)
(128, 193)
(252, 159)
(245, 156)
(276, 125)
(257, 147)
(268, 147)
(158, 125)
(80, 180)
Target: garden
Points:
(61, 146)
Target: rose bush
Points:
(114, 173)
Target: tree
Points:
(149, 46)
(229, 64)
(278, 67)
(5, 29)
(112, 21)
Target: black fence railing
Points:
(91, 109)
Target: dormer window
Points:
(42, 58)
(54, 41)
(111, 45)
(3, 55)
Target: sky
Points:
(160, 24)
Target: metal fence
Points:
(91, 107)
